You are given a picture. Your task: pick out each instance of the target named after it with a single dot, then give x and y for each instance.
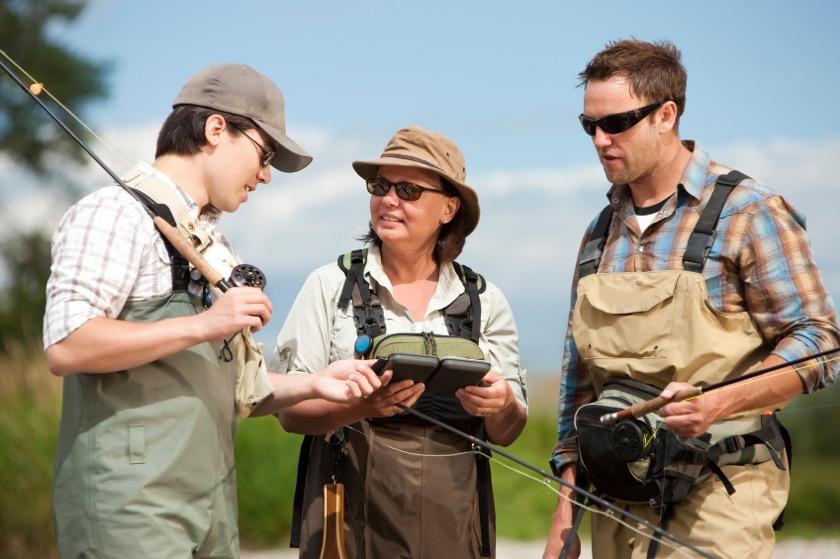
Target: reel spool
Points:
(247, 275)
(628, 440)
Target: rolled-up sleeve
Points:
(785, 293)
(501, 340)
(96, 255)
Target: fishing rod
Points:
(548, 475)
(640, 409)
(182, 245)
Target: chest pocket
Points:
(625, 315)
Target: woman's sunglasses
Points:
(407, 191)
(617, 123)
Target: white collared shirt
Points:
(317, 332)
(106, 251)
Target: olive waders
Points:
(145, 462)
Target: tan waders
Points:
(658, 327)
(145, 456)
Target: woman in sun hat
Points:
(412, 489)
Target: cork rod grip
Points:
(188, 251)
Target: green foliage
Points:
(26, 134)
(26, 259)
(266, 469)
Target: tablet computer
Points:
(406, 366)
(456, 372)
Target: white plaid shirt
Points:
(107, 251)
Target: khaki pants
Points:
(737, 525)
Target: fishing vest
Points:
(252, 382)
(638, 331)
(463, 322)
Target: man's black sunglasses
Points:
(617, 123)
(407, 191)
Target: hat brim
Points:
(290, 157)
(472, 211)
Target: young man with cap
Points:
(144, 466)
(693, 274)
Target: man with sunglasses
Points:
(693, 274)
(151, 356)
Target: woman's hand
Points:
(383, 402)
(486, 400)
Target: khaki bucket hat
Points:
(416, 147)
(239, 89)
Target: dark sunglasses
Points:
(407, 191)
(267, 154)
(617, 123)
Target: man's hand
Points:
(235, 309)
(486, 400)
(689, 418)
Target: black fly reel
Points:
(243, 275)
(247, 275)
(631, 440)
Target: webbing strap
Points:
(701, 239)
(590, 257)
(180, 265)
(300, 485)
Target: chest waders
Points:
(345, 457)
(638, 331)
(145, 464)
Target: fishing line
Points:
(545, 482)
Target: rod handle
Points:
(188, 251)
(641, 409)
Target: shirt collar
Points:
(449, 285)
(210, 214)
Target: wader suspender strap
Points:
(461, 313)
(701, 239)
(297, 510)
(180, 265)
(367, 311)
(590, 257)
(699, 243)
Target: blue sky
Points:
(497, 77)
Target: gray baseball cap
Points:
(239, 89)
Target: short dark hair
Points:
(182, 132)
(654, 70)
(451, 237)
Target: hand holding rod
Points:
(643, 408)
(181, 245)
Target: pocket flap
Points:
(628, 292)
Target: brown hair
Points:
(451, 236)
(182, 132)
(654, 70)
